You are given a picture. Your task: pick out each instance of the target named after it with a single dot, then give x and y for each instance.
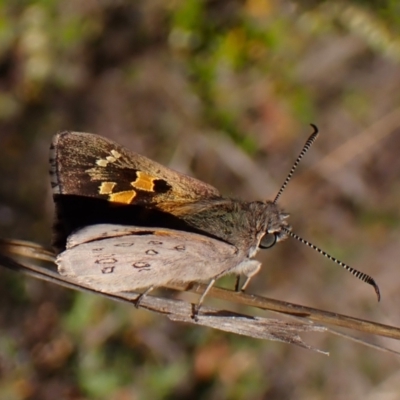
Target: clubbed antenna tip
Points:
(358, 274)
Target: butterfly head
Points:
(269, 224)
(276, 225)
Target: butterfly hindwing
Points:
(114, 258)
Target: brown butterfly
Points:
(132, 223)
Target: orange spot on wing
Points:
(144, 182)
(125, 197)
(106, 187)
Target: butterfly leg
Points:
(197, 307)
(141, 296)
(249, 268)
(237, 284)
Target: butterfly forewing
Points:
(85, 164)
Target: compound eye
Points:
(268, 240)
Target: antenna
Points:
(360, 275)
(306, 147)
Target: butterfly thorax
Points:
(240, 223)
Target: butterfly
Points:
(125, 222)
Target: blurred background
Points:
(224, 91)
